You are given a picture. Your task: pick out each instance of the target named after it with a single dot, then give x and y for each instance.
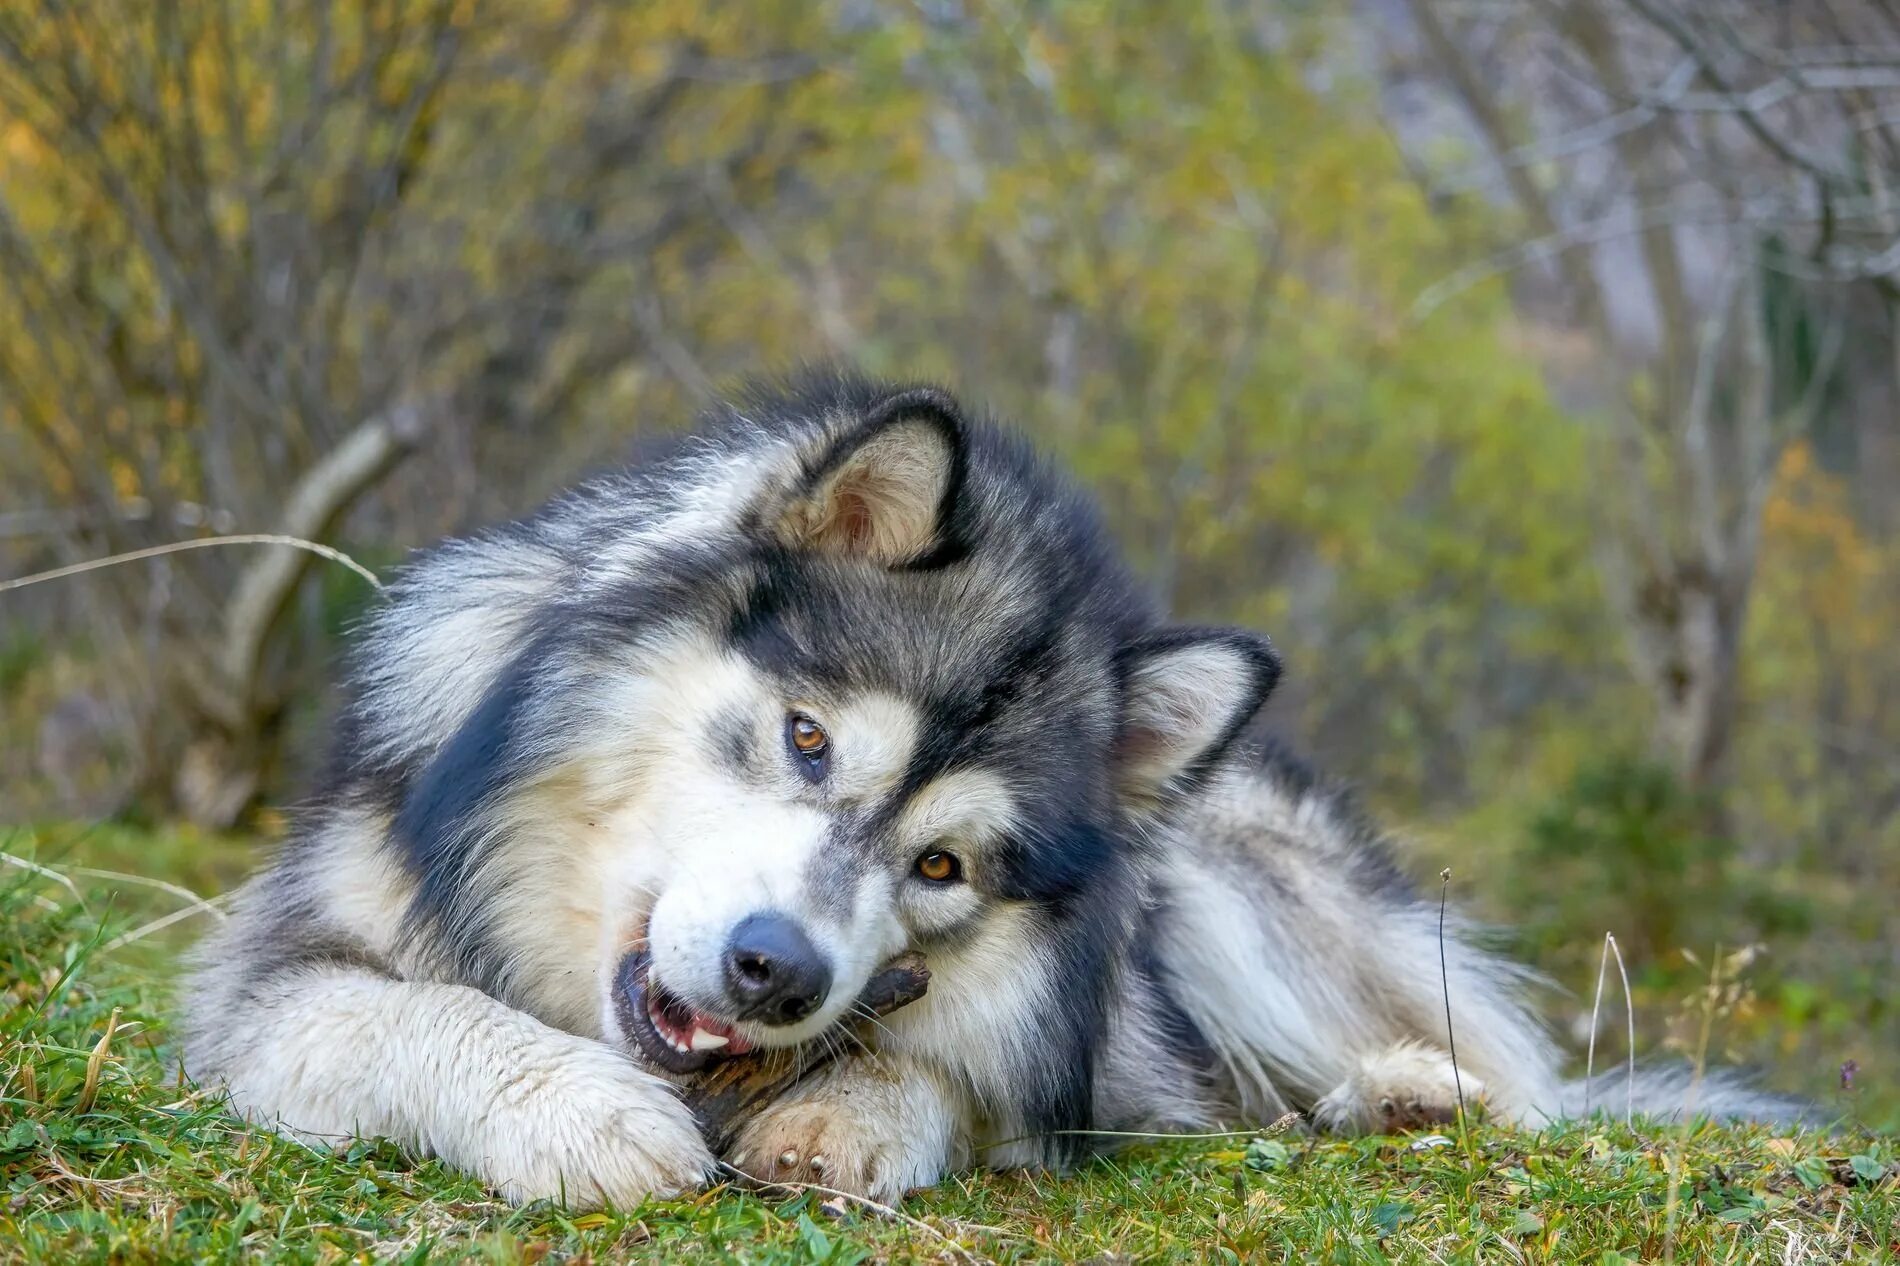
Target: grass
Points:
(107, 1155)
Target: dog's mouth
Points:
(669, 1032)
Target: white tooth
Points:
(704, 1041)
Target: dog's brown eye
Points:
(939, 868)
(808, 737)
(810, 746)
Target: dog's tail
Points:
(1674, 1092)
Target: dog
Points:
(665, 771)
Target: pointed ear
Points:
(1187, 693)
(883, 491)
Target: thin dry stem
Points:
(1629, 1010)
(1277, 1126)
(155, 551)
(29, 1080)
(881, 1210)
(1629, 1015)
(159, 925)
(200, 904)
(1444, 982)
(1596, 1008)
(46, 872)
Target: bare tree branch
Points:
(1750, 117)
(314, 504)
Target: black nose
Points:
(773, 972)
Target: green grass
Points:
(149, 1170)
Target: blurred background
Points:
(1527, 368)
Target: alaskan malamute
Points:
(667, 770)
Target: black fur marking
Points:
(761, 632)
(304, 953)
(1051, 863)
(1177, 1028)
(672, 583)
(439, 828)
(1087, 946)
(470, 769)
(958, 726)
(292, 940)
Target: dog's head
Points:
(866, 676)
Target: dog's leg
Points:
(1406, 1086)
(872, 1126)
(1322, 980)
(535, 1112)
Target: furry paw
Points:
(857, 1135)
(583, 1126)
(1409, 1086)
(817, 1142)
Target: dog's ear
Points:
(884, 490)
(1186, 695)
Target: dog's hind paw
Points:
(1409, 1086)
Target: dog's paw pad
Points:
(1408, 1086)
(802, 1145)
(1398, 1116)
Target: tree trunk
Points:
(221, 768)
(1687, 635)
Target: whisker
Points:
(865, 1013)
(870, 1052)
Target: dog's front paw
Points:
(585, 1127)
(817, 1142)
(855, 1138)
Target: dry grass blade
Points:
(46, 872)
(1629, 1013)
(1279, 1125)
(158, 925)
(96, 1063)
(863, 1202)
(1444, 982)
(175, 547)
(29, 1080)
(200, 904)
(1596, 1009)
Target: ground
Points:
(107, 1155)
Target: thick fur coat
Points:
(668, 769)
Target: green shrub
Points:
(1626, 848)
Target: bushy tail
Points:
(1673, 1092)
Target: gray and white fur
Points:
(668, 769)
